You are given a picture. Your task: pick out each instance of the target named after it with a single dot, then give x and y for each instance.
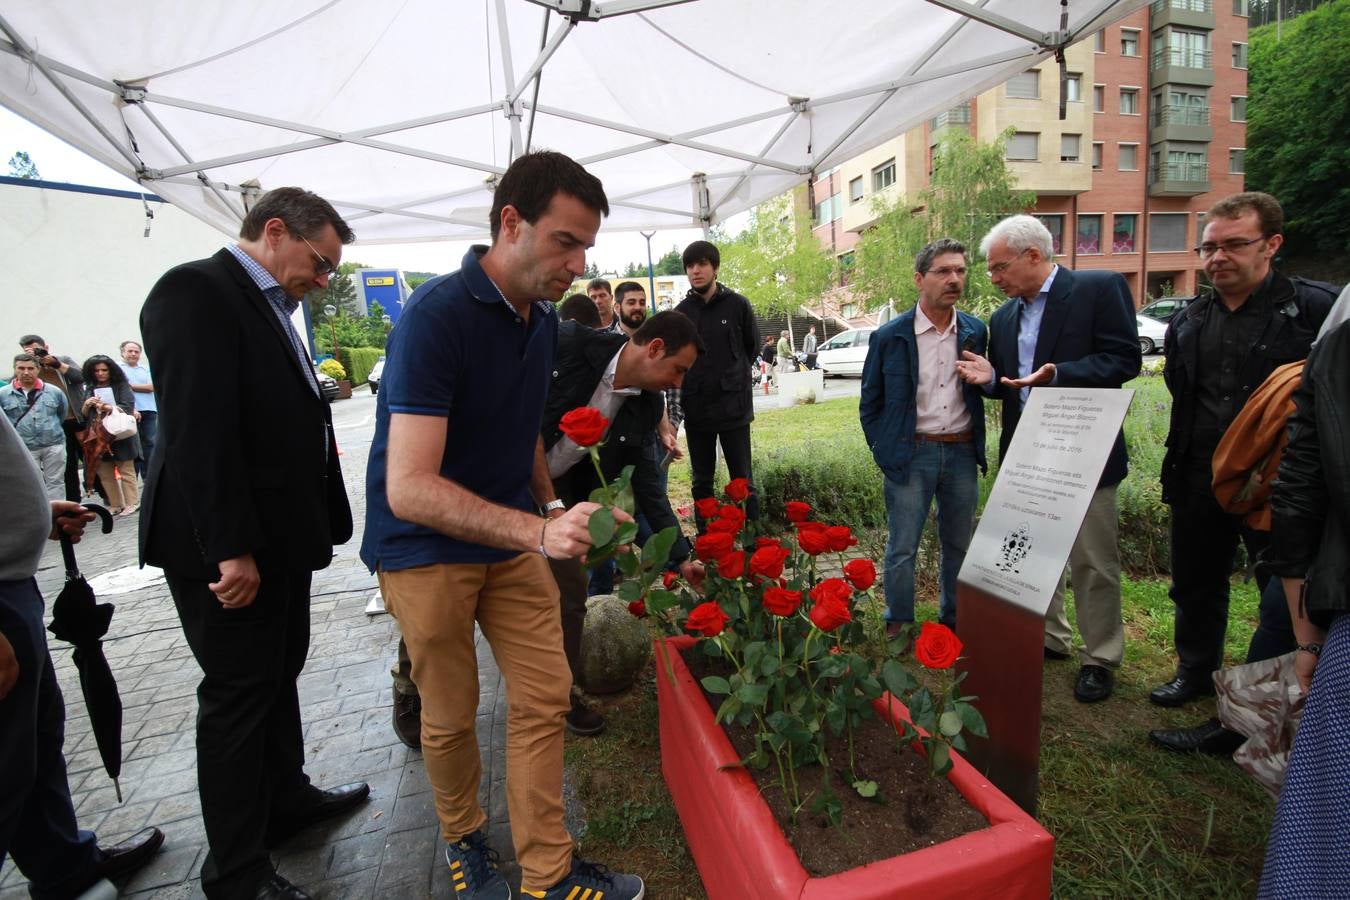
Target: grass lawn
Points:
(1129, 820)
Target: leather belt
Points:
(956, 437)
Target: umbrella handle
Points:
(68, 549)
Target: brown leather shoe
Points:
(121, 860)
(583, 721)
(408, 719)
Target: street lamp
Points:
(651, 277)
(330, 311)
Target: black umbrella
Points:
(78, 620)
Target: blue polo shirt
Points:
(461, 352)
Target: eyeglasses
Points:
(1207, 250)
(323, 266)
(945, 271)
(1000, 268)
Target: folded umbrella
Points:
(79, 620)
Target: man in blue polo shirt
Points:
(456, 479)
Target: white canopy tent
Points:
(403, 112)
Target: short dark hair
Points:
(27, 357)
(305, 214)
(31, 339)
(531, 181)
(626, 286)
(581, 309)
(598, 283)
(700, 251)
(1268, 211)
(924, 260)
(675, 329)
(115, 373)
(123, 345)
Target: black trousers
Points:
(1204, 543)
(250, 750)
(37, 818)
(74, 453)
(703, 461)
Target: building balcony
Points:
(1185, 13)
(1178, 179)
(1179, 123)
(1179, 65)
(957, 116)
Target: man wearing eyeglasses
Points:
(1220, 349)
(244, 501)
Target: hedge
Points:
(358, 361)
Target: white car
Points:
(373, 379)
(1151, 333)
(845, 353)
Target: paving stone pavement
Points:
(388, 848)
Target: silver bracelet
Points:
(542, 551)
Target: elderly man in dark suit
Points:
(1064, 328)
(243, 502)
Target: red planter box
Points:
(741, 852)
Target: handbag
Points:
(119, 425)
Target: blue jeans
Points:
(947, 471)
(147, 428)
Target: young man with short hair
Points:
(602, 295)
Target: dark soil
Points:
(910, 811)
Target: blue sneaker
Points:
(473, 869)
(592, 882)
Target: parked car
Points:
(373, 379)
(1151, 334)
(327, 384)
(1163, 310)
(844, 353)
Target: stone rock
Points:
(615, 646)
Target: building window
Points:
(1237, 160)
(1166, 232)
(1027, 85)
(1129, 101)
(855, 190)
(1099, 98)
(1237, 109)
(1099, 40)
(1129, 42)
(883, 176)
(1069, 145)
(1122, 234)
(1181, 162)
(1024, 145)
(1180, 106)
(1097, 156)
(1073, 87)
(1239, 55)
(1240, 8)
(1089, 236)
(1054, 223)
(1128, 157)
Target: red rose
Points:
(584, 425)
(811, 526)
(937, 647)
(724, 526)
(713, 544)
(813, 540)
(668, 580)
(781, 601)
(738, 489)
(638, 608)
(840, 537)
(762, 542)
(829, 613)
(732, 565)
(707, 618)
(832, 590)
(861, 573)
(731, 513)
(707, 507)
(797, 511)
(767, 562)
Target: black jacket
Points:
(583, 355)
(1088, 331)
(717, 391)
(245, 460)
(1298, 308)
(1310, 501)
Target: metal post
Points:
(651, 274)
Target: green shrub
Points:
(359, 361)
(333, 369)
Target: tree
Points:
(1298, 115)
(21, 165)
(776, 262)
(590, 271)
(971, 189)
(634, 270)
(670, 264)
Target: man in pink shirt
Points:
(926, 427)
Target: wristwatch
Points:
(551, 505)
(1314, 649)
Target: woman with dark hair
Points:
(102, 372)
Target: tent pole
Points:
(509, 105)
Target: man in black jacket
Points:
(1220, 348)
(244, 501)
(717, 397)
(623, 378)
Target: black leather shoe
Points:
(1181, 690)
(1093, 684)
(319, 805)
(408, 719)
(582, 721)
(1055, 655)
(120, 860)
(1208, 737)
(278, 888)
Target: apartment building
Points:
(1153, 133)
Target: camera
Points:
(40, 353)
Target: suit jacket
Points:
(1088, 330)
(245, 460)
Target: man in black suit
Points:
(1064, 328)
(243, 502)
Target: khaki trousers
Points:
(515, 603)
(122, 493)
(1094, 565)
